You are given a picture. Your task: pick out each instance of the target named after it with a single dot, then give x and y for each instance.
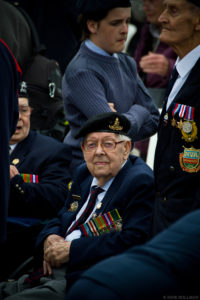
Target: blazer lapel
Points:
(18, 155)
(110, 194)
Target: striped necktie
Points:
(89, 208)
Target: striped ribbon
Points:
(184, 111)
(102, 224)
(29, 178)
(176, 109)
(189, 115)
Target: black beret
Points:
(106, 122)
(195, 2)
(23, 90)
(88, 7)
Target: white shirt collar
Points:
(185, 65)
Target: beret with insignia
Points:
(106, 122)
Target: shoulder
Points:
(127, 62)
(48, 142)
(138, 168)
(81, 173)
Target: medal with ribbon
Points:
(188, 126)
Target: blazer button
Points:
(171, 168)
(164, 199)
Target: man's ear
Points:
(92, 26)
(197, 26)
(127, 149)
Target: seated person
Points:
(39, 176)
(167, 267)
(88, 230)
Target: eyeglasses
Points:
(24, 110)
(107, 146)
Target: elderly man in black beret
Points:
(108, 210)
(177, 158)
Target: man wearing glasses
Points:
(39, 176)
(108, 209)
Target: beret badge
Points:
(116, 126)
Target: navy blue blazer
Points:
(9, 78)
(49, 159)
(177, 174)
(131, 192)
(168, 265)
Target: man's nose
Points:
(99, 148)
(125, 28)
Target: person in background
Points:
(9, 79)
(102, 79)
(177, 156)
(155, 59)
(39, 175)
(108, 210)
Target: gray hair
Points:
(122, 137)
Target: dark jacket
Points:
(177, 176)
(131, 192)
(169, 264)
(49, 159)
(9, 78)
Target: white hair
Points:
(122, 137)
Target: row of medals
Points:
(188, 128)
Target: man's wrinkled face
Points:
(104, 154)
(110, 34)
(179, 20)
(23, 124)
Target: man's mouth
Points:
(99, 163)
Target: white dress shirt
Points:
(184, 67)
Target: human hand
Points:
(47, 269)
(51, 239)
(112, 106)
(13, 171)
(57, 254)
(155, 63)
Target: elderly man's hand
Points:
(51, 239)
(47, 269)
(155, 63)
(57, 253)
(13, 171)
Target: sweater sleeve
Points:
(86, 90)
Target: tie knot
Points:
(96, 190)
